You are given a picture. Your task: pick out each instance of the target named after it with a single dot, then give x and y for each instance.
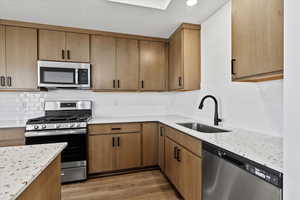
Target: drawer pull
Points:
(115, 129)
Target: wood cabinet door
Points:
(171, 164)
(101, 153)
(103, 59)
(129, 151)
(52, 45)
(21, 57)
(161, 147)
(176, 61)
(77, 47)
(2, 57)
(127, 64)
(257, 37)
(150, 144)
(190, 175)
(152, 65)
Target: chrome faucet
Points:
(216, 117)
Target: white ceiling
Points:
(109, 16)
(158, 4)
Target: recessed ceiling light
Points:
(191, 2)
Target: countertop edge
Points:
(63, 145)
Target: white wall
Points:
(255, 106)
(292, 101)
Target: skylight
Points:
(157, 4)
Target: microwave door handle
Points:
(76, 76)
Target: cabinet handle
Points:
(2, 80)
(118, 83)
(68, 55)
(114, 83)
(63, 54)
(118, 141)
(180, 81)
(113, 141)
(115, 129)
(178, 157)
(8, 80)
(175, 153)
(142, 83)
(162, 131)
(232, 66)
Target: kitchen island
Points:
(30, 172)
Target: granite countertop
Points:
(21, 165)
(261, 148)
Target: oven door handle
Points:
(55, 132)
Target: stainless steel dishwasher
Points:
(227, 176)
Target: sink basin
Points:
(202, 128)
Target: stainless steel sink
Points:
(202, 128)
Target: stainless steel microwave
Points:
(64, 75)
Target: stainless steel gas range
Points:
(64, 121)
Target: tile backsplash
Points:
(25, 105)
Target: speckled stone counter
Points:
(21, 165)
(261, 148)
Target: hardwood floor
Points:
(148, 185)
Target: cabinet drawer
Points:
(186, 141)
(114, 128)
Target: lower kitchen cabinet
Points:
(150, 144)
(128, 151)
(171, 164)
(161, 147)
(12, 137)
(101, 153)
(114, 152)
(184, 170)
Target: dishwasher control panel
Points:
(265, 175)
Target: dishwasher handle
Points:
(231, 159)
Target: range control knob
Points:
(44, 126)
(78, 125)
(57, 126)
(72, 125)
(36, 127)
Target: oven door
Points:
(77, 142)
(73, 157)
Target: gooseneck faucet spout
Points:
(216, 117)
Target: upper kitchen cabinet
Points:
(18, 58)
(257, 40)
(63, 46)
(184, 58)
(153, 66)
(115, 63)
(103, 54)
(127, 63)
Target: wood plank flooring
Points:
(148, 185)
